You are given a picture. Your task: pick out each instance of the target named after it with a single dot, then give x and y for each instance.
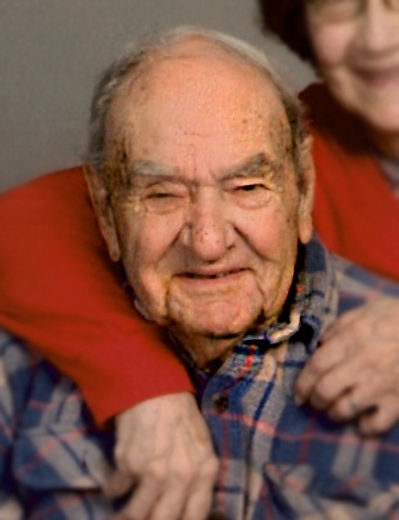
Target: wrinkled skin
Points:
(173, 468)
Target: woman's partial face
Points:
(356, 44)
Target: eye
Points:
(160, 195)
(335, 10)
(250, 187)
(161, 199)
(250, 194)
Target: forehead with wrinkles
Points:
(198, 87)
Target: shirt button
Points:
(220, 403)
(217, 516)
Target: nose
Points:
(378, 27)
(208, 232)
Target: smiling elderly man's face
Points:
(208, 225)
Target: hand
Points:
(355, 372)
(165, 452)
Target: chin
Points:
(379, 117)
(218, 310)
(384, 123)
(218, 323)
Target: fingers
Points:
(368, 399)
(118, 484)
(142, 501)
(354, 373)
(351, 392)
(344, 377)
(345, 320)
(200, 499)
(185, 495)
(381, 419)
(338, 346)
(350, 351)
(372, 419)
(311, 384)
(164, 449)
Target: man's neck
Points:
(207, 351)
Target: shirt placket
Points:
(224, 406)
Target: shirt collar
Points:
(313, 299)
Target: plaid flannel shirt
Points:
(278, 460)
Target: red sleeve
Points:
(61, 293)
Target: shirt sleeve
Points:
(62, 294)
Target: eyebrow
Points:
(146, 168)
(259, 164)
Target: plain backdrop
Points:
(52, 51)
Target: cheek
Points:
(148, 263)
(152, 239)
(331, 44)
(276, 246)
(272, 231)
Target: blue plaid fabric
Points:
(53, 460)
(278, 460)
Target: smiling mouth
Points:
(379, 76)
(211, 276)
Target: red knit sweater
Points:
(356, 212)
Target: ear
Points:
(103, 209)
(305, 224)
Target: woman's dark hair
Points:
(287, 19)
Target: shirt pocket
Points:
(302, 491)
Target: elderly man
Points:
(202, 180)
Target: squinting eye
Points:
(163, 201)
(160, 195)
(252, 195)
(251, 187)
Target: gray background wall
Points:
(51, 52)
